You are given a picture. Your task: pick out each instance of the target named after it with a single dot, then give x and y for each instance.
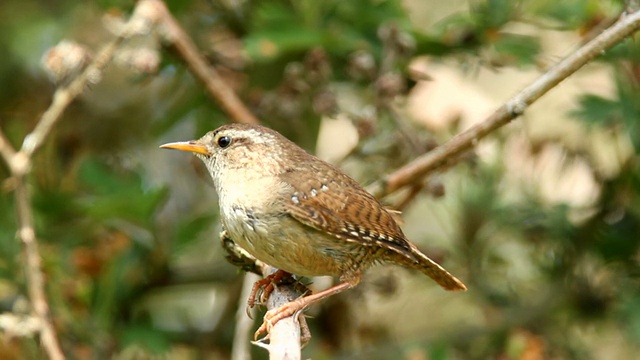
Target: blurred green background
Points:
(542, 221)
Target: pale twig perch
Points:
(285, 336)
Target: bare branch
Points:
(285, 336)
(6, 150)
(514, 107)
(138, 23)
(35, 283)
(215, 85)
(19, 165)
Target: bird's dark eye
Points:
(224, 141)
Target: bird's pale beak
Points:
(192, 146)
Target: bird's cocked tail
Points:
(432, 269)
(439, 274)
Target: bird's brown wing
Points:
(334, 203)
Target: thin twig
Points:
(138, 23)
(35, 285)
(213, 82)
(19, 165)
(418, 168)
(6, 150)
(285, 335)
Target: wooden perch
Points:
(287, 335)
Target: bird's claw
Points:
(266, 326)
(264, 287)
(247, 311)
(272, 317)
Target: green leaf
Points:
(279, 30)
(569, 14)
(117, 195)
(596, 110)
(492, 14)
(9, 244)
(270, 45)
(519, 49)
(146, 337)
(189, 230)
(630, 315)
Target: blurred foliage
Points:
(129, 233)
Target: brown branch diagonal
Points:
(199, 66)
(514, 107)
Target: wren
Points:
(300, 214)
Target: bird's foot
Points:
(264, 287)
(298, 305)
(292, 308)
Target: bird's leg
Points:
(292, 307)
(238, 256)
(265, 287)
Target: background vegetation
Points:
(541, 221)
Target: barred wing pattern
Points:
(339, 206)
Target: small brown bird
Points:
(300, 214)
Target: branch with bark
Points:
(179, 40)
(287, 335)
(450, 151)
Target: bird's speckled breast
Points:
(276, 238)
(286, 244)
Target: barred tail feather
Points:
(422, 263)
(438, 273)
